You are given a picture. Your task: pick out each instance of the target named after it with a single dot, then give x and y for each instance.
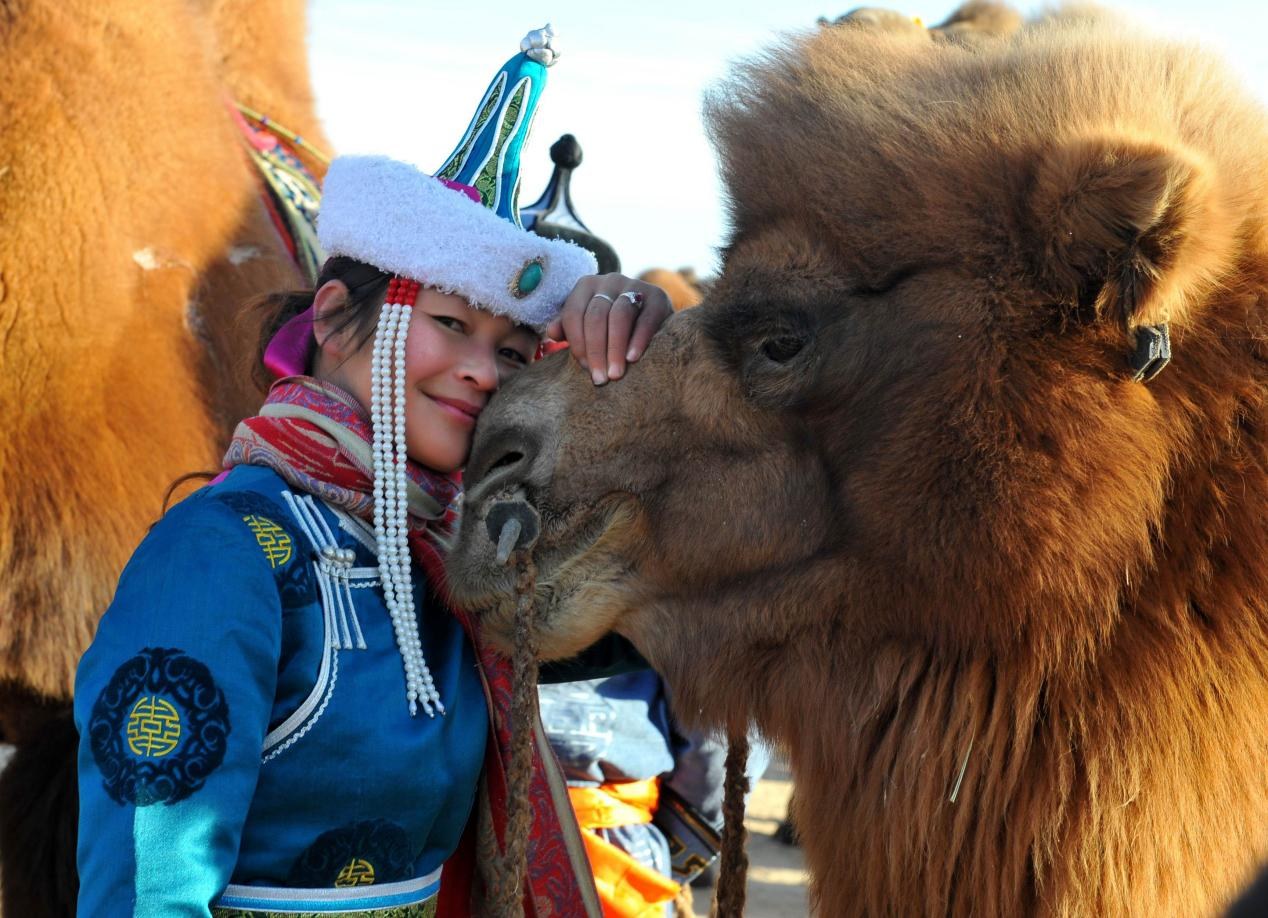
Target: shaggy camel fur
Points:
(973, 20)
(893, 494)
(132, 234)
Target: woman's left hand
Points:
(607, 320)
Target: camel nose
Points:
(500, 463)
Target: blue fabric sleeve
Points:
(172, 702)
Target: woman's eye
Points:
(451, 322)
(509, 353)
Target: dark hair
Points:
(367, 285)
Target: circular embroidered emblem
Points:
(295, 581)
(272, 538)
(528, 279)
(373, 851)
(357, 872)
(158, 728)
(154, 727)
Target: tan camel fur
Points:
(682, 286)
(131, 232)
(892, 493)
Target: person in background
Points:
(647, 793)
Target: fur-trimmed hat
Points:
(459, 230)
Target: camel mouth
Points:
(562, 538)
(510, 525)
(570, 537)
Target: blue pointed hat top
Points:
(488, 156)
(433, 229)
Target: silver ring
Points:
(635, 298)
(601, 296)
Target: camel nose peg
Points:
(512, 524)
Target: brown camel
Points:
(906, 492)
(133, 230)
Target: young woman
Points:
(279, 712)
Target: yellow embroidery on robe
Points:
(356, 873)
(277, 545)
(154, 727)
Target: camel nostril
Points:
(506, 469)
(509, 459)
(499, 463)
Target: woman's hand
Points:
(607, 321)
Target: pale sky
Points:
(402, 78)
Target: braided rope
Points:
(490, 860)
(733, 874)
(506, 900)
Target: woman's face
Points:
(455, 358)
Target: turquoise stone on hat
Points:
(528, 279)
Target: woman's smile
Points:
(461, 411)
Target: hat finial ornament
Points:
(537, 45)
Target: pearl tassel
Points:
(391, 526)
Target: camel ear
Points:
(1127, 226)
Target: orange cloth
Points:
(627, 889)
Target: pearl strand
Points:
(386, 323)
(423, 684)
(382, 424)
(387, 414)
(398, 560)
(393, 563)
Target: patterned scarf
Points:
(318, 439)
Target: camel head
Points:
(911, 491)
(907, 410)
(611, 542)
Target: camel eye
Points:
(783, 348)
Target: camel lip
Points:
(566, 538)
(555, 551)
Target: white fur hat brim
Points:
(394, 216)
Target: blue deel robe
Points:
(245, 738)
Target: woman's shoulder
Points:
(235, 534)
(244, 490)
(247, 505)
